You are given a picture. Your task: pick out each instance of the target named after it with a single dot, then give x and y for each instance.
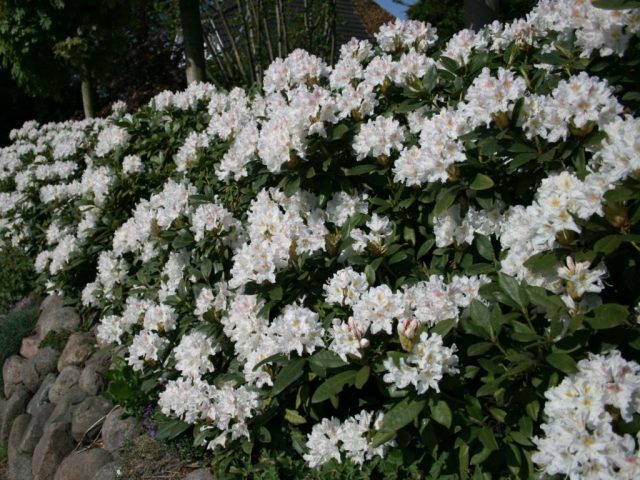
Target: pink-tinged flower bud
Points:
(408, 331)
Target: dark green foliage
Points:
(13, 329)
(45, 42)
(448, 16)
(55, 340)
(17, 277)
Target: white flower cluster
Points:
(378, 137)
(188, 99)
(449, 228)
(279, 228)
(405, 35)
(110, 138)
(424, 366)
(224, 408)
(296, 329)
(580, 439)
(377, 309)
(331, 438)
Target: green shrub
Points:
(55, 340)
(17, 277)
(401, 281)
(13, 329)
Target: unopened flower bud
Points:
(616, 214)
(408, 331)
(331, 242)
(582, 131)
(565, 237)
(502, 120)
(454, 174)
(383, 160)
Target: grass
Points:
(17, 276)
(4, 473)
(13, 329)
(143, 458)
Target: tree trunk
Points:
(478, 13)
(193, 40)
(88, 97)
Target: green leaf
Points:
(449, 63)
(206, 268)
(441, 413)
(563, 362)
(606, 316)
(608, 244)
(544, 261)
(481, 182)
(291, 372)
(463, 461)
(360, 170)
(278, 358)
(481, 317)
(409, 235)
(445, 199)
(370, 273)
(488, 439)
(479, 348)
(401, 414)
(485, 247)
(171, 429)
(276, 293)
(511, 287)
(333, 386)
(327, 359)
(362, 377)
(444, 326)
(381, 438)
(293, 417)
(424, 249)
(616, 4)
(339, 131)
(398, 257)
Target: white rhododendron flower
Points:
(579, 439)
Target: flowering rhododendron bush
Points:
(411, 263)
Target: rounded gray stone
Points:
(17, 433)
(117, 430)
(15, 406)
(64, 319)
(200, 474)
(42, 395)
(108, 471)
(67, 379)
(86, 418)
(35, 428)
(63, 411)
(35, 368)
(54, 445)
(91, 380)
(50, 303)
(12, 374)
(20, 467)
(79, 348)
(46, 360)
(83, 465)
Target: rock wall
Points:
(54, 420)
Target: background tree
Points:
(46, 43)
(245, 36)
(451, 16)
(193, 40)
